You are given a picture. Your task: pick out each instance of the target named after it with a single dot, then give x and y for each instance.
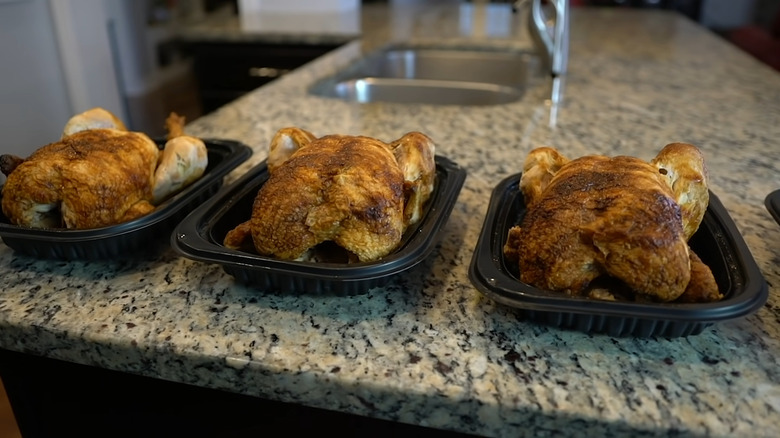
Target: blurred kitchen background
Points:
(61, 57)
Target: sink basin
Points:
(432, 76)
(372, 89)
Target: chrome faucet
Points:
(551, 38)
(550, 34)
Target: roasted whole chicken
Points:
(356, 192)
(621, 218)
(98, 174)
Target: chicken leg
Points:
(183, 160)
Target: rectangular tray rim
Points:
(332, 272)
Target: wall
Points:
(58, 61)
(87, 37)
(727, 14)
(34, 104)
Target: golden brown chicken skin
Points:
(598, 216)
(702, 288)
(682, 166)
(348, 190)
(92, 178)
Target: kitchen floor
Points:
(8, 428)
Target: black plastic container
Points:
(717, 242)
(144, 235)
(200, 237)
(772, 203)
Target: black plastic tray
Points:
(717, 242)
(200, 235)
(144, 235)
(772, 203)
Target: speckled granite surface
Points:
(429, 349)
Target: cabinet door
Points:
(226, 71)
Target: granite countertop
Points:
(429, 349)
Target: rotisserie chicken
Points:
(356, 192)
(621, 218)
(98, 174)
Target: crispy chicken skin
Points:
(349, 190)
(98, 174)
(414, 155)
(702, 288)
(621, 217)
(92, 119)
(92, 178)
(683, 167)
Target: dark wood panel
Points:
(53, 398)
(225, 71)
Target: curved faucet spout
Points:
(550, 32)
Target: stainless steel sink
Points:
(432, 76)
(429, 91)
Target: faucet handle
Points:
(552, 40)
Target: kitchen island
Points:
(428, 350)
